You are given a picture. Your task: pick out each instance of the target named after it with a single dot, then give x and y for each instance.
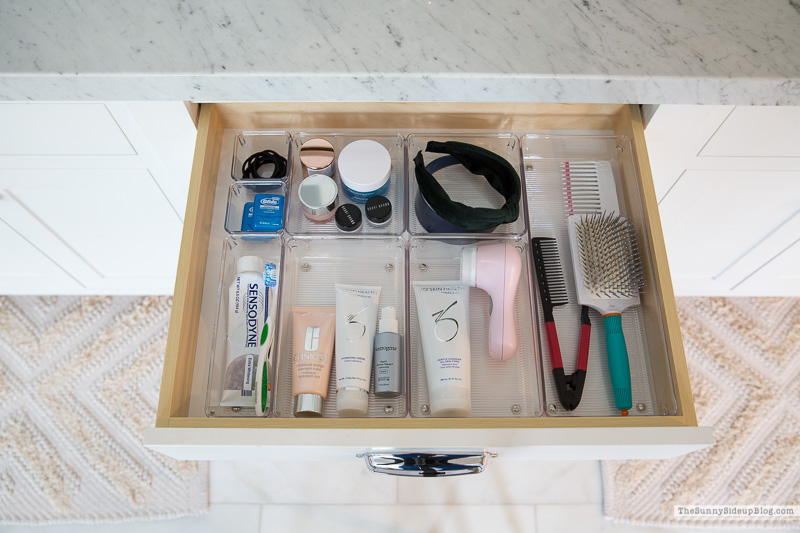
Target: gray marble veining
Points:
(648, 51)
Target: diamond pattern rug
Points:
(79, 381)
(744, 366)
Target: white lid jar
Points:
(364, 168)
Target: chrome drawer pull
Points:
(426, 464)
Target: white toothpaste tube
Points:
(442, 310)
(245, 320)
(356, 320)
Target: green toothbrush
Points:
(263, 387)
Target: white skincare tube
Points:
(245, 319)
(443, 313)
(356, 320)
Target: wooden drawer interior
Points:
(182, 345)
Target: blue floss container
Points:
(247, 217)
(427, 217)
(364, 169)
(268, 212)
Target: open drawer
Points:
(183, 431)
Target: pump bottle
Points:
(388, 360)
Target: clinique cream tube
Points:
(356, 319)
(312, 354)
(442, 310)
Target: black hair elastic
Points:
(252, 164)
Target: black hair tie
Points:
(252, 164)
(499, 173)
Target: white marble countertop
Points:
(645, 51)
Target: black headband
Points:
(498, 173)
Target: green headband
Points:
(498, 173)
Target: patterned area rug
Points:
(79, 380)
(744, 366)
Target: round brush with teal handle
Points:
(609, 278)
(618, 365)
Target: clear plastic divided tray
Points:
(549, 161)
(459, 183)
(313, 266)
(300, 224)
(241, 194)
(498, 388)
(248, 143)
(270, 249)
(313, 257)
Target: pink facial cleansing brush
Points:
(495, 268)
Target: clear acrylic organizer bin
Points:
(548, 160)
(498, 388)
(243, 192)
(299, 224)
(462, 185)
(248, 143)
(313, 266)
(270, 249)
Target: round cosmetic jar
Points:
(317, 157)
(379, 211)
(364, 168)
(348, 218)
(318, 194)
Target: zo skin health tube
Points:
(389, 367)
(245, 319)
(442, 311)
(356, 319)
(312, 355)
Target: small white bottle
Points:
(388, 358)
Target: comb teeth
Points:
(548, 271)
(610, 263)
(581, 188)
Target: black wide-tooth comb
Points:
(553, 293)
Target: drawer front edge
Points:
(510, 444)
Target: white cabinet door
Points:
(26, 270)
(675, 136)
(728, 183)
(54, 129)
(99, 190)
(713, 219)
(757, 132)
(780, 276)
(113, 230)
(164, 136)
(774, 265)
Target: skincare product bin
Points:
(462, 185)
(244, 192)
(270, 249)
(313, 265)
(247, 143)
(549, 160)
(299, 224)
(498, 388)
